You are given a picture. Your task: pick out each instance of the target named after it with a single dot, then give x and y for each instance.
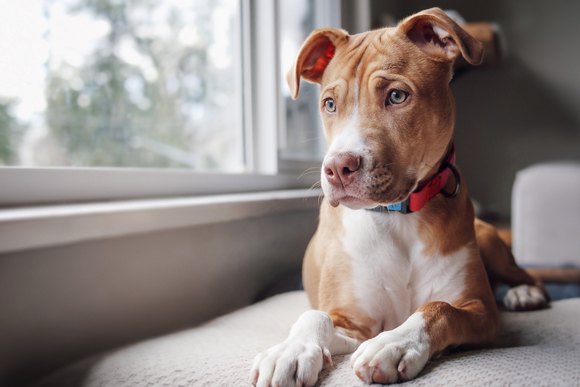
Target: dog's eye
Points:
(329, 105)
(397, 97)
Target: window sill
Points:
(36, 227)
(21, 186)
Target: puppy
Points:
(399, 268)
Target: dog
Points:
(399, 269)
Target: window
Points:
(108, 83)
(301, 136)
(134, 99)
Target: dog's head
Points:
(385, 102)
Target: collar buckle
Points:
(453, 170)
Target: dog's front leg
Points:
(400, 354)
(298, 360)
(394, 356)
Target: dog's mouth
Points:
(367, 198)
(352, 202)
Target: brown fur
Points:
(447, 224)
(354, 322)
(402, 144)
(472, 320)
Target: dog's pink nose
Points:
(341, 169)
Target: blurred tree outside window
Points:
(113, 83)
(11, 131)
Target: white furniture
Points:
(546, 214)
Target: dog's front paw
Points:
(525, 297)
(290, 363)
(391, 357)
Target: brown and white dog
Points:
(394, 288)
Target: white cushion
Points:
(533, 349)
(546, 215)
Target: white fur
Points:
(451, 48)
(400, 354)
(298, 360)
(441, 32)
(524, 297)
(391, 275)
(349, 138)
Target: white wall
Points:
(62, 303)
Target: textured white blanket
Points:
(539, 348)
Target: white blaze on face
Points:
(349, 139)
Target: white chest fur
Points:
(391, 276)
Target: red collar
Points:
(428, 189)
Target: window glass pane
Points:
(141, 83)
(302, 136)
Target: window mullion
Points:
(264, 84)
(246, 61)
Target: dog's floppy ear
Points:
(314, 56)
(439, 36)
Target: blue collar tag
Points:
(402, 207)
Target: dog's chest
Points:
(391, 275)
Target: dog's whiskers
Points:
(311, 139)
(314, 186)
(318, 184)
(309, 171)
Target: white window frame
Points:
(262, 104)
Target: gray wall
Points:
(523, 112)
(63, 303)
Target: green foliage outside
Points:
(171, 110)
(10, 133)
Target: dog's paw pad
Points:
(524, 297)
